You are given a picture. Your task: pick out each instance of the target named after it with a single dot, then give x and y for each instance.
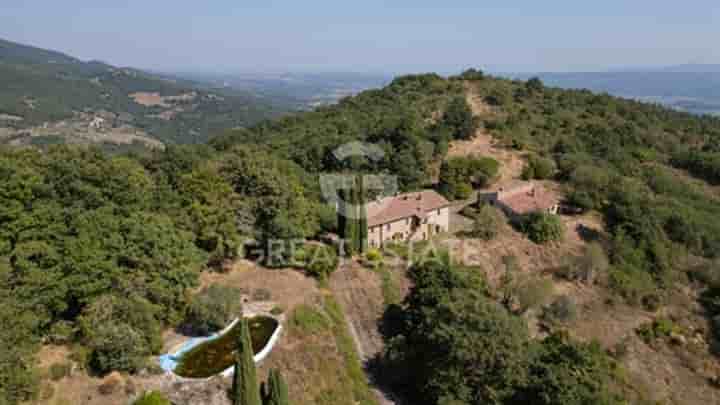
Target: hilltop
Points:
(620, 301)
(50, 97)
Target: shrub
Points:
(373, 258)
(632, 284)
(581, 199)
(308, 320)
(321, 261)
(542, 227)
(213, 308)
(152, 398)
(657, 329)
(62, 332)
(117, 347)
(472, 74)
(327, 216)
(401, 250)
(538, 168)
(120, 333)
(277, 310)
(459, 119)
(459, 175)
(58, 371)
(586, 267)
(373, 255)
(534, 294)
(486, 223)
(562, 310)
(463, 191)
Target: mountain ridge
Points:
(44, 87)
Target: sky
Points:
(398, 36)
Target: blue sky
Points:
(372, 35)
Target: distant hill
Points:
(693, 68)
(46, 94)
(691, 88)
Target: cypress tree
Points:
(245, 386)
(362, 217)
(349, 229)
(277, 390)
(341, 211)
(352, 220)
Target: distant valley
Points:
(302, 91)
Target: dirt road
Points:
(359, 293)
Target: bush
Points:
(213, 308)
(277, 310)
(538, 168)
(581, 199)
(58, 371)
(120, 333)
(487, 221)
(657, 329)
(459, 119)
(542, 227)
(307, 320)
(459, 175)
(321, 261)
(152, 398)
(586, 267)
(534, 294)
(327, 216)
(373, 258)
(62, 332)
(562, 310)
(117, 347)
(373, 255)
(632, 284)
(472, 74)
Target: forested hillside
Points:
(617, 156)
(413, 119)
(100, 252)
(631, 162)
(81, 230)
(40, 86)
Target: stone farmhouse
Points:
(407, 217)
(523, 197)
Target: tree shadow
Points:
(587, 234)
(381, 371)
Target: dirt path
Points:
(359, 293)
(484, 144)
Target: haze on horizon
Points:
(372, 36)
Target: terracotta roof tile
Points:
(391, 209)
